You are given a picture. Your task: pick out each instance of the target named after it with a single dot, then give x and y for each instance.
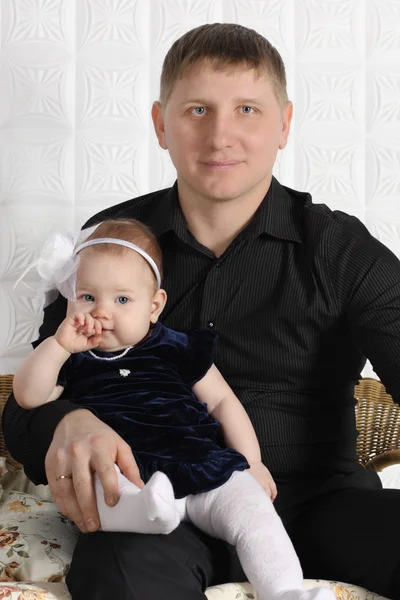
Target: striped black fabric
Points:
(298, 300)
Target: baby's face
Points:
(119, 292)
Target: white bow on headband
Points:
(59, 261)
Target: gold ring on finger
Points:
(66, 476)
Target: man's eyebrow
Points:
(203, 101)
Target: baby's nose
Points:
(101, 311)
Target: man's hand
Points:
(264, 478)
(82, 445)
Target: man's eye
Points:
(123, 300)
(199, 110)
(88, 298)
(247, 110)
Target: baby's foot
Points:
(140, 510)
(158, 496)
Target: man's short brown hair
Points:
(223, 45)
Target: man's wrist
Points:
(71, 416)
(44, 420)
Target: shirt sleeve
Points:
(365, 277)
(198, 354)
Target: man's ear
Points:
(159, 125)
(287, 114)
(157, 306)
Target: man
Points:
(298, 295)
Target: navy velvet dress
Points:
(146, 397)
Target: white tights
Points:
(239, 512)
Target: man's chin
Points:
(222, 194)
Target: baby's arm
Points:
(238, 431)
(35, 382)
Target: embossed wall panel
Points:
(77, 79)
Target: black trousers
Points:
(343, 533)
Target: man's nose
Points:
(221, 131)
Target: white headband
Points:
(58, 262)
(119, 242)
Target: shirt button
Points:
(210, 324)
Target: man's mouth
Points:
(223, 165)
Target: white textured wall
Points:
(77, 78)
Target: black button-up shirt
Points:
(298, 300)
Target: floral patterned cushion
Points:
(26, 591)
(36, 540)
(229, 591)
(244, 591)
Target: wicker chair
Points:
(377, 418)
(378, 424)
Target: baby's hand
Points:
(264, 478)
(79, 332)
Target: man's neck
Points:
(215, 224)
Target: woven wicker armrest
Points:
(378, 424)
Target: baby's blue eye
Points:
(88, 298)
(123, 300)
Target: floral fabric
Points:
(26, 591)
(244, 591)
(229, 591)
(36, 540)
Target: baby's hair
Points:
(129, 230)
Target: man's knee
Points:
(129, 565)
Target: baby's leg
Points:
(141, 510)
(241, 512)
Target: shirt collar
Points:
(167, 215)
(278, 215)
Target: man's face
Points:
(223, 130)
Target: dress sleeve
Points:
(366, 281)
(65, 372)
(198, 354)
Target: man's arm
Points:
(62, 438)
(28, 433)
(366, 276)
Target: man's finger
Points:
(62, 491)
(67, 502)
(127, 464)
(85, 496)
(109, 481)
